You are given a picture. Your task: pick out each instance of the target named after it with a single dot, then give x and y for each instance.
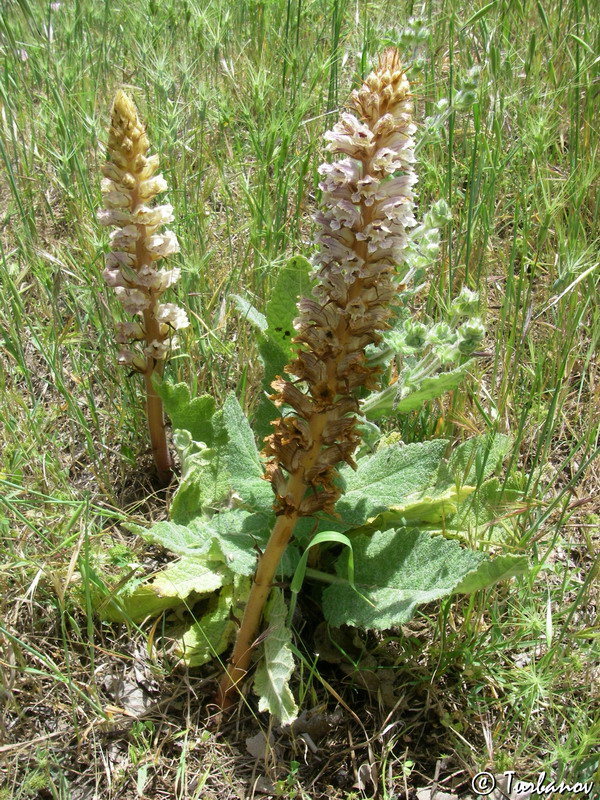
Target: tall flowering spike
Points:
(368, 199)
(368, 205)
(129, 186)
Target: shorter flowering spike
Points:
(129, 185)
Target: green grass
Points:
(236, 96)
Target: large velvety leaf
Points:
(275, 668)
(394, 477)
(490, 572)
(212, 475)
(213, 632)
(241, 458)
(386, 402)
(210, 635)
(292, 283)
(133, 605)
(189, 575)
(475, 460)
(190, 414)
(184, 540)
(250, 313)
(275, 345)
(205, 482)
(232, 538)
(274, 359)
(490, 512)
(437, 506)
(170, 588)
(237, 537)
(396, 570)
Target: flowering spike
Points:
(368, 206)
(129, 184)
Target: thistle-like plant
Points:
(129, 185)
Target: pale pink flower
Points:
(162, 244)
(153, 216)
(111, 216)
(129, 185)
(119, 258)
(129, 331)
(350, 136)
(127, 358)
(125, 238)
(114, 278)
(172, 315)
(152, 186)
(159, 350)
(133, 300)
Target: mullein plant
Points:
(362, 236)
(137, 243)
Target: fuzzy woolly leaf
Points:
(292, 282)
(489, 511)
(241, 459)
(274, 360)
(438, 506)
(183, 540)
(204, 485)
(188, 575)
(213, 632)
(190, 414)
(236, 537)
(133, 604)
(170, 588)
(231, 537)
(393, 478)
(476, 459)
(273, 673)
(396, 570)
(490, 572)
(384, 403)
(250, 313)
(275, 345)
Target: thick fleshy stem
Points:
(368, 206)
(129, 185)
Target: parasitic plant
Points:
(129, 186)
(378, 509)
(368, 206)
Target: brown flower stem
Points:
(267, 566)
(278, 541)
(265, 572)
(263, 579)
(154, 404)
(154, 410)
